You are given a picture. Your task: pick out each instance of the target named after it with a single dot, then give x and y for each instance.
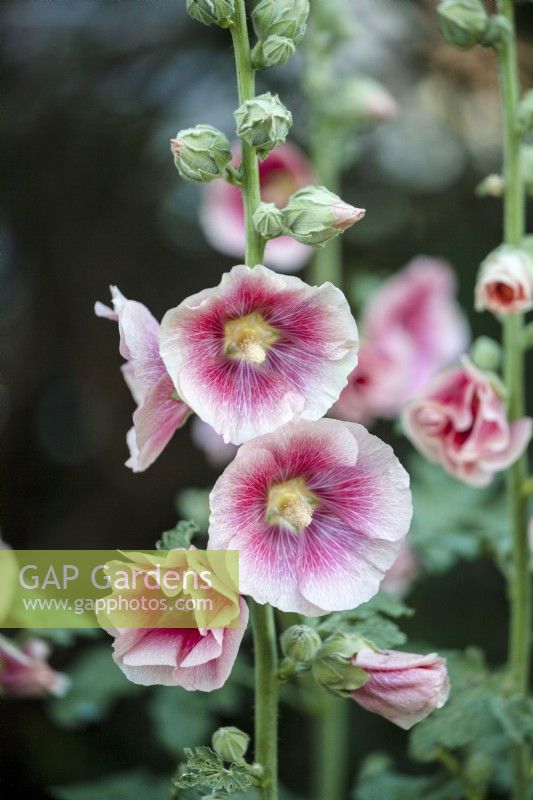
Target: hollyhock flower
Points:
(317, 510)
(402, 687)
(283, 172)
(217, 452)
(259, 350)
(404, 571)
(505, 282)
(25, 673)
(194, 658)
(160, 412)
(460, 422)
(411, 328)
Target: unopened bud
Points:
(486, 353)
(201, 154)
(285, 18)
(300, 643)
(333, 667)
(361, 100)
(478, 769)
(268, 221)
(230, 743)
(273, 51)
(263, 122)
(491, 186)
(315, 215)
(212, 12)
(462, 23)
(525, 113)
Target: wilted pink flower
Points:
(317, 510)
(411, 328)
(460, 422)
(402, 687)
(217, 452)
(196, 659)
(159, 411)
(505, 282)
(25, 673)
(404, 571)
(259, 350)
(284, 171)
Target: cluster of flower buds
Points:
(263, 123)
(466, 23)
(212, 12)
(230, 744)
(280, 26)
(201, 153)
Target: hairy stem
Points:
(251, 192)
(331, 748)
(266, 697)
(514, 212)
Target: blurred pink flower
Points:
(196, 659)
(259, 350)
(317, 510)
(411, 328)
(403, 573)
(217, 452)
(159, 411)
(284, 170)
(25, 673)
(402, 687)
(505, 282)
(459, 421)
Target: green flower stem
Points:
(266, 697)
(251, 192)
(332, 730)
(514, 224)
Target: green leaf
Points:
(180, 718)
(194, 504)
(97, 683)
(120, 786)
(515, 715)
(379, 781)
(179, 537)
(205, 768)
(371, 621)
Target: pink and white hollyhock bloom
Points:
(460, 422)
(217, 452)
(317, 510)
(159, 411)
(402, 687)
(195, 658)
(259, 350)
(284, 171)
(24, 671)
(403, 573)
(412, 327)
(505, 282)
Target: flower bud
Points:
(479, 769)
(314, 215)
(486, 353)
(230, 743)
(300, 643)
(201, 154)
(491, 186)
(263, 122)
(505, 281)
(268, 221)
(462, 23)
(361, 100)
(333, 667)
(275, 50)
(217, 12)
(285, 18)
(525, 113)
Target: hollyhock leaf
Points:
(180, 718)
(370, 621)
(379, 780)
(205, 768)
(96, 685)
(118, 786)
(515, 715)
(178, 537)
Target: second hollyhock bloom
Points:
(284, 171)
(460, 422)
(259, 350)
(317, 510)
(160, 412)
(402, 687)
(196, 659)
(505, 282)
(412, 327)
(24, 671)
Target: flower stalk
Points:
(514, 224)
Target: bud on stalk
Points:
(300, 643)
(462, 22)
(212, 12)
(268, 221)
(263, 122)
(333, 667)
(280, 26)
(314, 215)
(201, 154)
(230, 744)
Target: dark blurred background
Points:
(92, 92)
